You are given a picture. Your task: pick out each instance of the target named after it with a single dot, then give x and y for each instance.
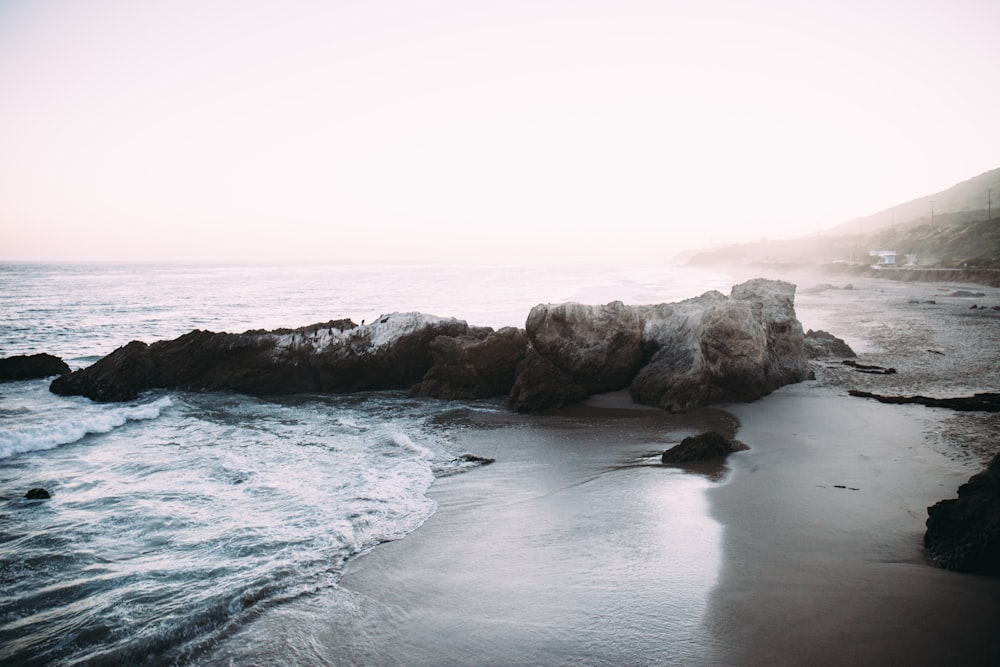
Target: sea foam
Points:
(56, 432)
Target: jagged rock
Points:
(599, 347)
(540, 385)
(472, 366)
(120, 376)
(715, 348)
(338, 356)
(963, 534)
(29, 367)
(703, 447)
(37, 494)
(674, 356)
(821, 344)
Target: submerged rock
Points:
(29, 367)
(963, 534)
(703, 447)
(985, 402)
(37, 494)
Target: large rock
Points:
(963, 534)
(29, 367)
(715, 348)
(674, 356)
(338, 356)
(473, 366)
(599, 347)
(541, 385)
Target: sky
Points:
(438, 130)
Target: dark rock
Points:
(822, 344)
(599, 347)
(963, 534)
(703, 447)
(473, 367)
(868, 368)
(985, 402)
(29, 367)
(673, 356)
(966, 293)
(120, 376)
(540, 385)
(391, 353)
(37, 494)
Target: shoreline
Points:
(576, 547)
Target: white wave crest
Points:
(406, 442)
(62, 432)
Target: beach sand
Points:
(577, 547)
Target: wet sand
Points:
(575, 547)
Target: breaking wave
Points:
(56, 431)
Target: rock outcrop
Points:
(985, 402)
(674, 356)
(963, 533)
(576, 351)
(473, 366)
(29, 367)
(715, 348)
(702, 447)
(337, 356)
(820, 344)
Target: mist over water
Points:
(179, 519)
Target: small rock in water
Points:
(703, 447)
(37, 494)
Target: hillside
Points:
(963, 233)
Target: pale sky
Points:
(472, 130)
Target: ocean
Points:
(178, 519)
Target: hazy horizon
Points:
(472, 131)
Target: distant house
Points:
(885, 257)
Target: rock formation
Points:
(716, 348)
(963, 534)
(674, 356)
(28, 367)
(985, 402)
(337, 356)
(702, 447)
(821, 344)
(473, 366)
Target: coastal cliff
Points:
(678, 356)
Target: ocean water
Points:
(180, 518)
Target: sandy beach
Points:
(578, 547)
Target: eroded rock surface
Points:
(963, 533)
(821, 344)
(673, 356)
(338, 356)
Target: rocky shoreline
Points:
(705, 350)
(677, 356)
